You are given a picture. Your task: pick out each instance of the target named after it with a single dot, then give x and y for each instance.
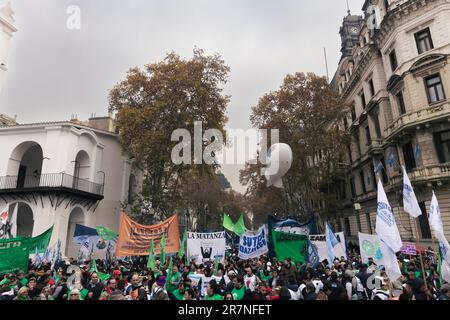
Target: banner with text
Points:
(319, 240)
(253, 244)
(134, 238)
(206, 246)
(14, 254)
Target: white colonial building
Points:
(64, 173)
(61, 173)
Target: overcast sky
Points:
(55, 72)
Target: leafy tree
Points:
(150, 104)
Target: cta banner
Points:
(319, 240)
(253, 244)
(205, 247)
(134, 238)
(14, 254)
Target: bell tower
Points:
(350, 29)
(7, 30)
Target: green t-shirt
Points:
(214, 297)
(24, 281)
(178, 294)
(175, 278)
(238, 294)
(263, 277)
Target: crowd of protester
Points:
(235, 279)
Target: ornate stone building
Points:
(394, 73)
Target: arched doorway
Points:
(24, 220)
(75, 217)
(25, 163)
(82, 171)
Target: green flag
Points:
(183, 244)
(41, 241)
(14, 254)
(239, 227)
(93, 266)
(106, 233)
(227, 223)
(151, 257)
(439, 267)
(103, 276)
(162, 245)
(290, 245)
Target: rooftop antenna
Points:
(326, 63)
(348, 8)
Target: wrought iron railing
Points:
(50, 180)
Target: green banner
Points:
(41, 241)
(290, 245)
(14, 254)
(106, 233)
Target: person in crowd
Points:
(74, 294)
(94, 287)
(213, 291)
(178, 294)
(159, 292)
(135, 289)
(23, 294)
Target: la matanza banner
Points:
(134, 238)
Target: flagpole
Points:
(423, 269)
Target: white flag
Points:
(4, 214)
(436, 225)
(13, 221)
(390, 262)
(435, 218)
(445, 271)
(386, 228)
(410, 203)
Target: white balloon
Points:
(278, 164)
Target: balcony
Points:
(431, 113)
(426, 174)
(59, 183)
(375, 147)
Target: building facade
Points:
(395, 75)
(63, 174)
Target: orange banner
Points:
(134, 238)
